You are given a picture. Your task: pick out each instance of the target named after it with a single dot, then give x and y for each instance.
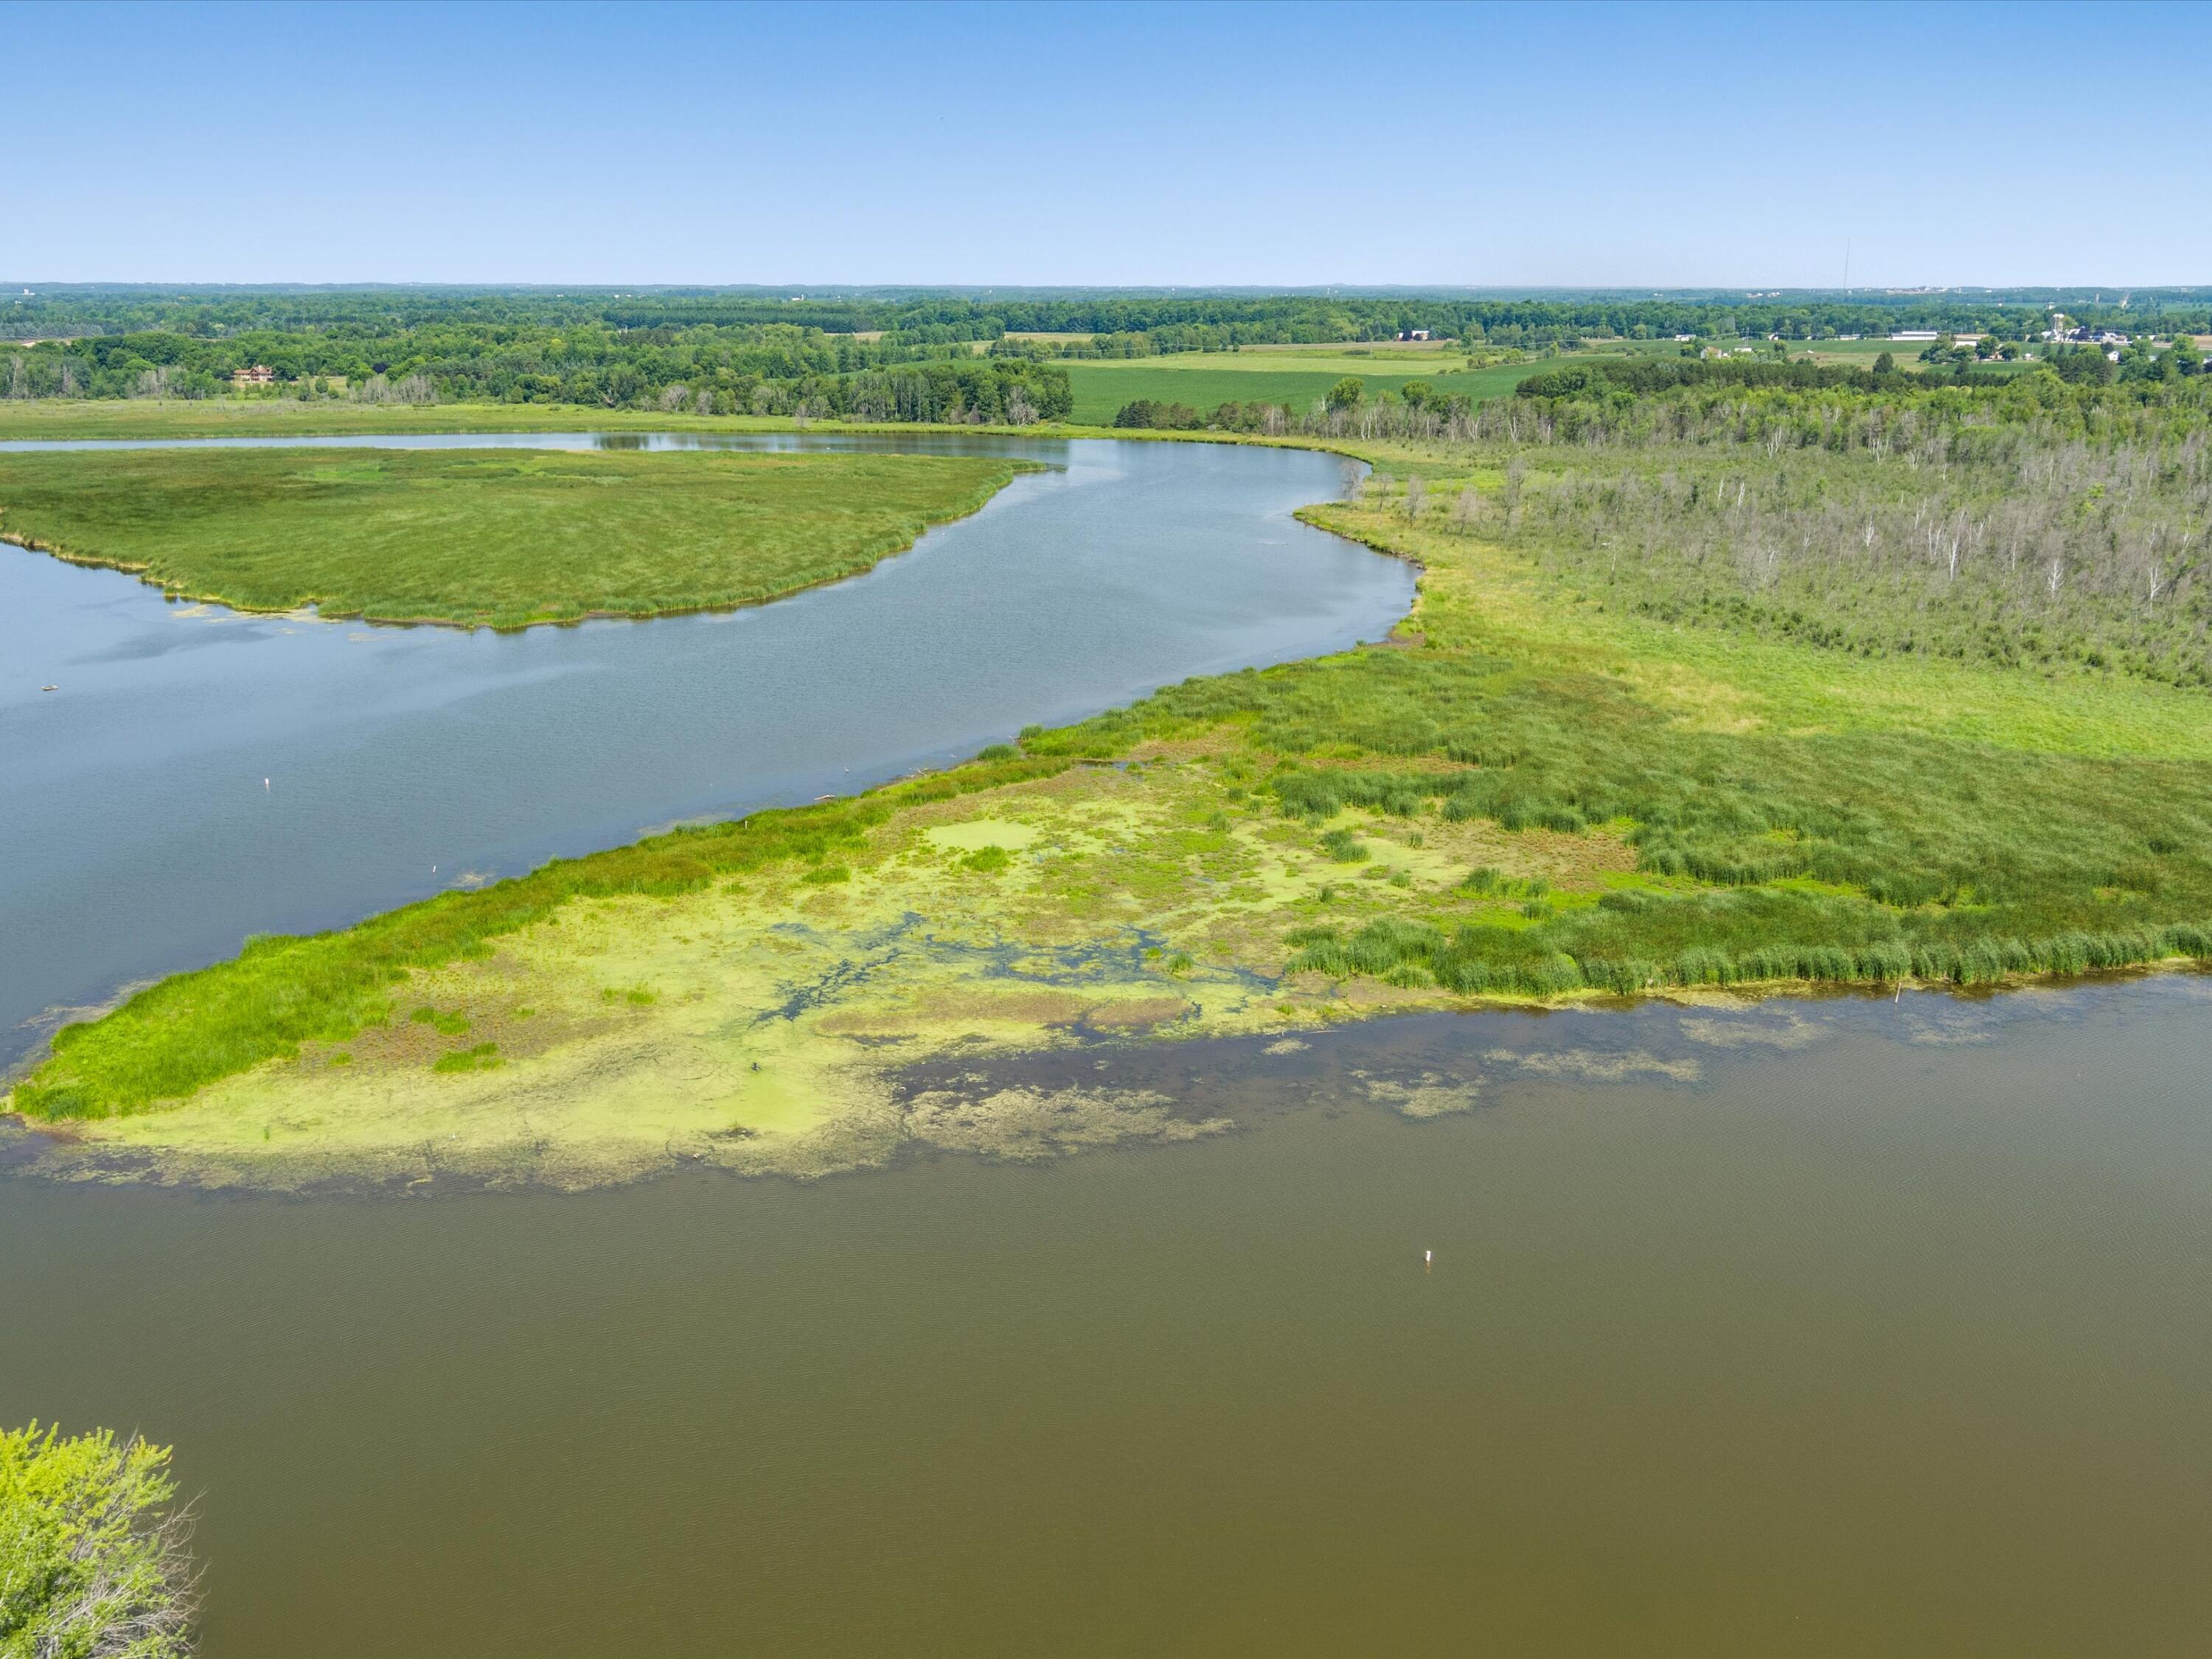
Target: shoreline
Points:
(1153, 954)
(311, 610)
(964, 1104)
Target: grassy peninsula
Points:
(480, 538)
(1730, 686)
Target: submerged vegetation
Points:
(475, 537)
(1722, 685)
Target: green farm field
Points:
(498, 539)
(1206, 380)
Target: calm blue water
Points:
(140, 837)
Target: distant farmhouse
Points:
(259, 374)
(2086, 336)
(1413, 334)
(2083, 335)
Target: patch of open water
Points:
(201, 775)
(1836, 1328)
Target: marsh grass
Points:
(1766, 849)
(184, 1032)
(501, 540)
(1344, 846)
(483, 1057)
(1794, 812)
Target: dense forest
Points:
(760, 370)
(869, 355)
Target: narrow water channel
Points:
(199, 776)
(1839, 1328)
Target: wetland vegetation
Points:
(477, 539)
(1719, 684)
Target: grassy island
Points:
(1726, 687)
(481, 537)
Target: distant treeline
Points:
(1582, 396)
(1633, 378)
(1175, 321)
(772, 369)
(755, 353)
(1644, 377)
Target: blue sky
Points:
(1661, 144)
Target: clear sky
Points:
(1584, 145)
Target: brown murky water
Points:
(1845, 1328)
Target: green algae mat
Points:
(500, 540)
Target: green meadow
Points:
(96, 419)
(502, 540)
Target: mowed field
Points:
(1205, 381)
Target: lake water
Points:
(1845, 1328)
(141, 837)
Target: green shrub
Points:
(94, 1556)
(1344, 846)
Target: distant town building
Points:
(259, 374)
(2084, 335)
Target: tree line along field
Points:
(879, 356)
(502, 539)
(1293, 382)
(1654, 723)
